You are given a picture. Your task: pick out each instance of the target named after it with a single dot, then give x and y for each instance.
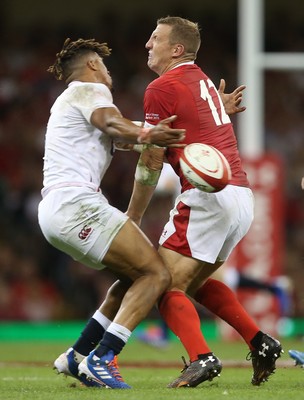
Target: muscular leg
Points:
(102, 318)
(113, 299)
(220, 299)
(132, 255)
(177, 309)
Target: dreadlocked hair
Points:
(70, 50)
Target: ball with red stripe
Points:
(205, 167)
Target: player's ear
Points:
(178, 50)
(92, 64)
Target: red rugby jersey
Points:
(187, 92)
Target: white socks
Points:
(120, 331)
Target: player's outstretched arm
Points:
(110, 121)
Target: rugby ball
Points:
(205, 167)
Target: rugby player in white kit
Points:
(75, 217)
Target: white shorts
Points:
(207, 226)
(80, 222)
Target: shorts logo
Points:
(84, 233)
(164, 233)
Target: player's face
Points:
(104, 74)
(160, 49)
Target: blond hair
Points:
(183, 32)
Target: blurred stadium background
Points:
(40, 284)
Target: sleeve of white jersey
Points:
(95, 96)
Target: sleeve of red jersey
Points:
(159, 103)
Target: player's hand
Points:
(232, 100)
(164, 136)
(302, 183)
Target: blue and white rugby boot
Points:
(67, 364)
(102, 371)
(298, 356)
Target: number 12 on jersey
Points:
(220, 116)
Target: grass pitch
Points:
(26, 373)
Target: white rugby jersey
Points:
(76, 151)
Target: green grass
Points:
(26, 373)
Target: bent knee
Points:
(165, 278)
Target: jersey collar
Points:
(184, 63)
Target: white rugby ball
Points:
(205, 167)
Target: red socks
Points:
(181, 316)
(221, 300)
